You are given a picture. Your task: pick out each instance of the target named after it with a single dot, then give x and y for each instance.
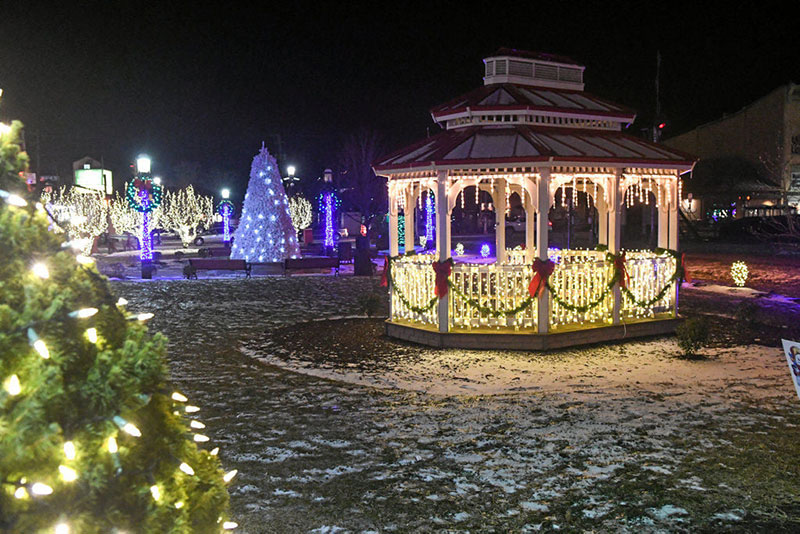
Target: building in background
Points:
(90, 174)
(749, 161)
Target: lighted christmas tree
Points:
(265, 232)
(92, 437)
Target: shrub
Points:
(692, 335)
(369, 303)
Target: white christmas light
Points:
(192, 409)
(84, 260)
(83, 313)
(230, 525)
(91, 335)
(41, 348)
(62, 528)
(112, 445)
(229, 475)
(186, 468)
(20, 493)
(179, 397)
(214, 451)
(14, 200)
(40, 270)
(67, 473)
(122, 302)
(39, 488)
(179, 505)
(196, 424)
(13, 387)
(155, 492)
(69, 450)
(200, 438)
(131, 429)
(144, 316)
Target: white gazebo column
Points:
(411, 220)
(499, 194)
(673, 218)
(442, 239)
(602, 221)
(614, 234)
(530, 229)
(393, 245)
(542, 219)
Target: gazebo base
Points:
(528, 341)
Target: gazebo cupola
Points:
(532, 130)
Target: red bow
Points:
(542, 271)
(442, 270)
(686, 275)
(142, 184)
(385, 275)
(619, 265)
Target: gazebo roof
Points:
(522, 145)
(513, 97)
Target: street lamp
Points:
(226, 209)
(291, 170)
(144, 195)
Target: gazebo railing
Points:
(496, 296)
(491, 296)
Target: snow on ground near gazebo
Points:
(622, 438)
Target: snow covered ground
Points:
(621, 438)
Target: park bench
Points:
(216, 264)
(214, 252)
(296, 264)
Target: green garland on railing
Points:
(486, 309)
(610, 257)
(417, 309)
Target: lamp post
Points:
(226, 209)
(144, 186)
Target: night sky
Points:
(204, 86)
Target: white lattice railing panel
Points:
(486, 296)
(413, 282)
(580, 288)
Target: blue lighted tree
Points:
(265, 232)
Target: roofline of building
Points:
(726, 117)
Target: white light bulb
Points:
(62, 528)
(229, 475)
(112, 445)
(122, 302)
(69, 450)
(179, 505)
(179, 397)
(91, 335)
(192, 409)
(131, 429)
(214, 451)
(16, 200)
(144, 316)
(83, 313)
(197, 424)
(84, 260)
(40, 270)
(67, 473)
(13, 386)
(186, 468)
(200, 438)
(230, 525)
(155, 492)
(41, 489)
(41, 348)
(21, 493)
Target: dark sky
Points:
(208, 83)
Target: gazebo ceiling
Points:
(509, 97)
(521, 145)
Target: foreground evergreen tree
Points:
(265, 232)
(92, 438)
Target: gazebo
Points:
(531, 130)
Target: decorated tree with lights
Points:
(265, 232)
(92, 437)
(301, 212)
(184, 212)
(83, 214)
(127, 220)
